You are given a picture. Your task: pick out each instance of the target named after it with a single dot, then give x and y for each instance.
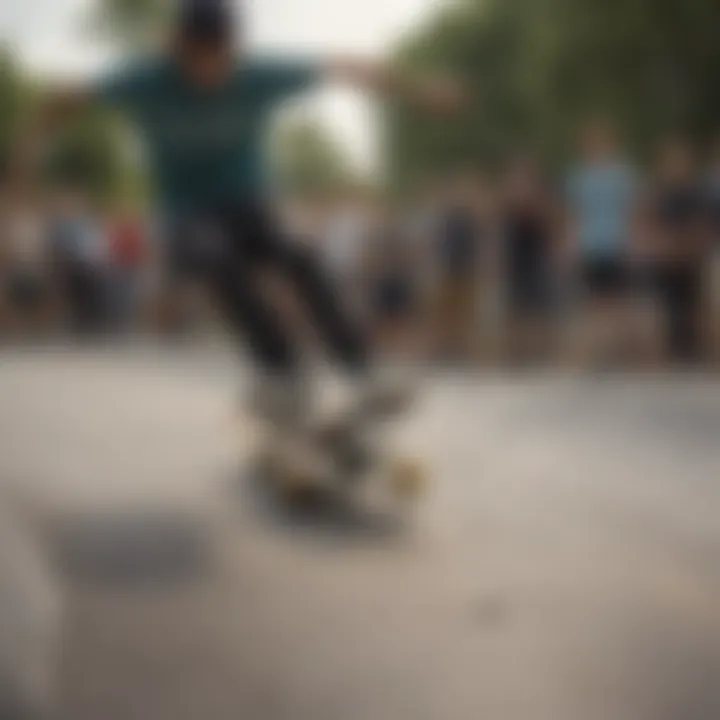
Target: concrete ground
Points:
(565, 564)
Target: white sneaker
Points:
(299, 463)
(283, 400)
(389, 392)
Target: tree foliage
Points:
(13, 101)
(309, 160)
(535, 68)
(92, 153)
(130, 24)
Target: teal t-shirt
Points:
(205, 146)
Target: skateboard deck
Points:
(348, 452)
(403, 478)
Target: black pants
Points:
(230, 248)
(681, 295)
(84, 291)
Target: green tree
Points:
(14, 100)
(482, 47)
(129, 24)
(92, 152)
(309, 160)
(536, 68)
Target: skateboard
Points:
(350, 452)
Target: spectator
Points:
(27, 287)
(712, 195)
(343, 244)
(680, 231)
(602, 200)
(80, 253)
(394, 285)
(527, 226)
(462, 227)
(128, 253)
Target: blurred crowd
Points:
(67, 266)
(608, 263)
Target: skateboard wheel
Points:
(297, 487)
(408, 478)
(265, 463)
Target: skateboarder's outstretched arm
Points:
(440, 95)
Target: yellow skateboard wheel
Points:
(408, 478)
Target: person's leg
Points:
(210, 250)
(441, 318)
(257, 248)
(119, 282)
(71, 293)
(712, 314)
(522, 312)
(410, 330)
(591, 326)
(258, 242)
(469, 335)
(396, 315)
(687, 330)
(674, 313)
(326, 307)
(3, 309)
(223, 250)
(644, 326)
(41, 313)
(129, 299)
(614, 312)
(249, 314)
(665, 300)
(15, 303)
(456, 319)
(217, 250)
(85, 298)
(543, 335)
(380, 390)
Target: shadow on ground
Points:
(131, 548)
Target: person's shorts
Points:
(713, 287)
(528, 292)
(26, 290)
(456, 299)
(198, 245)
(394, 298)
(680, 285)
(606, 277)
(193, 246)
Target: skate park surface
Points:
(564, 564)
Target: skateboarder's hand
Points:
(444, 96)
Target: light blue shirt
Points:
(602, 199)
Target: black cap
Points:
(206, 21)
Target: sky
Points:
(45, 34)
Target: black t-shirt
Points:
(527, 236)
(679, 208)
(460, 235)
(392, 255)
(712, 203)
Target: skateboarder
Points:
(203, 108)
